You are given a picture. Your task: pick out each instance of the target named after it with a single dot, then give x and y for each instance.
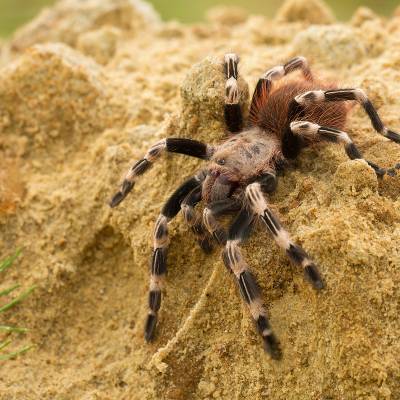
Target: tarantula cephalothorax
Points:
(242, 172)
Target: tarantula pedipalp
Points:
(283, 119)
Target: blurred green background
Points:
(15, 12)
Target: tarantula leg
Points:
(193, 219)
(247, 283)
(309, 130)
(296, 254)
(173, 145)
(232, 110)
(159, 257)
(214, 210)
(319, 96)
(264, 84)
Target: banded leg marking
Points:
(313, 131)
(232, 111)
(158, 267)
(250, 293)
(264, 84)
(158, 272)
(188, 147)
(295, 253)
(247, 283)
(319, 96)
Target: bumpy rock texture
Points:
(74, 115)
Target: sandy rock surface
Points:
(84, 91)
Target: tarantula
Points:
(242, 171)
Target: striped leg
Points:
(247, 283)
(193, 219)
(311, 131)
(232, 110)
(264, 84)
(159, 257)
(215, 209)
(174, 145)
(296, 254)
(319, 96)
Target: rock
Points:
(99, 44)
(338, 45)
(11, 190)
(373, 36)
(68, 19)
(362, 15)
(309, 11)
(377, 90)
(355, 176)
(227, 15)
(52, 95)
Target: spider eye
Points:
(221, 161)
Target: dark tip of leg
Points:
(220, 236)
(118, 197)
(150, 327)
(271, 346)
(313, 276)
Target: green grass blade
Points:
(9, 260)
(4, 344)
(5, 292)
(17, 300)
(15, 353)
(13, 329)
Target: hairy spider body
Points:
(242, 172)
(270, 111)
(238, 160)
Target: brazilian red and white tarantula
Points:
(242, 171)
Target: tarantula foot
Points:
(117, 198)
(313, 276)
(121, 194)
(150, 327)
(271, 346)
(271, 343)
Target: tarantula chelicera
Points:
(242, 171)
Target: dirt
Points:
(85, 89)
